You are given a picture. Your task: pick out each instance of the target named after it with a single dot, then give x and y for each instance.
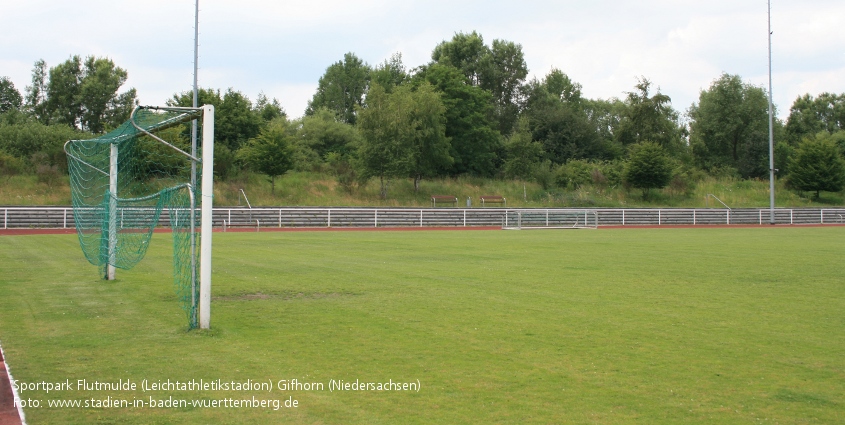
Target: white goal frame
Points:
(206, 203)
(549, 218)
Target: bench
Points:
(444, 199)
(493, 199)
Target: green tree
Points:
(475, 143)
(523, 153)
(323, 134)
(817, 165)
(390, 74)
(428, 137)
(386, 150)
(465, 52)
(809, 115)
(268, 110)
(650, 118)
(559, 121)
(102, 106)
(236, 120)
(560, 86)
(84, 94)
(241, 123)
(403, 134)
(10, 97)
(649, 167)
(63, 94)
(504, 72)
(204, 97)
(270, 152)
(605, 117)
(36, 94)
(500, 69)
(730, 127)
(341, 89)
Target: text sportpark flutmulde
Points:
(161, 392)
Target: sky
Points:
(283, 48)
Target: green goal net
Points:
(131, 181)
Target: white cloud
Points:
(283, 48)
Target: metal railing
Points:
(63, 217)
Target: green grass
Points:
(607, 326)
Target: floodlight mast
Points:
(771, 129)
(193, 235)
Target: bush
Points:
(543, 174)
(10, 165)
(649, 167)
(343, 171)
(574, 174)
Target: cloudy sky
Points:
(282, 48)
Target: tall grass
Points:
(319, 189)
(34, 190)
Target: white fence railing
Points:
(63, 217)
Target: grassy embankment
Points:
(313, 189)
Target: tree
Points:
(817, 165)
(464, 52)
(730, 127)
(63, 94)
(390, 74)
(403, 134)
(604, 117)
(270, 152)
(236, 120)
(499, 69)
(809, 116)
(101, 105)
(80, 94)
(10, 97)
(503, 73)
(650, 118)
(428, 138)
(523, 153)
(204, 97)
(475, 142)
(558, 120)
(385, 151)
(560, 86)
(648, 167)
(322, 133)
(36, 94)
(268, 110)
(341, 89)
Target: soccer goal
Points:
(141, 176)
(549, 219)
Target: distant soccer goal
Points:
(550, 219)
(126, 183)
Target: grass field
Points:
(590, 326)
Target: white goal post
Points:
(206, 211)
(544, 218)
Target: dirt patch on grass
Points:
(285, 296)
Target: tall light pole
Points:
(771, 129)
(194, 171)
